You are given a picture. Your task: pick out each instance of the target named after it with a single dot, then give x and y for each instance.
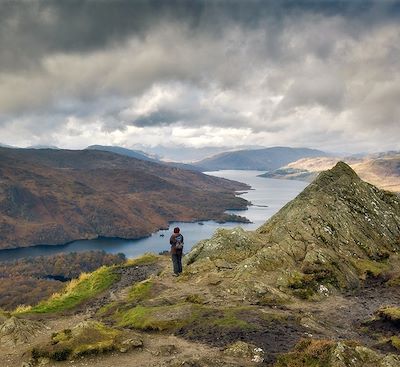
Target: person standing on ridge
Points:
(176, 242)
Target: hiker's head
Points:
(176, 230)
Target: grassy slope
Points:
(76, 292)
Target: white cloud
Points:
(326, 81)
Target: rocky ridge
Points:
(337, 229)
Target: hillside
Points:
(140, 155)
(382, 170)
(256, 159)
(123, 151)
(317, 285)
(56, 196)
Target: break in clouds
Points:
(322, 74)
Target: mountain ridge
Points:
(138, 154)
(380, 169)
(257, 159)
(334, 220)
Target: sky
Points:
(322, 74)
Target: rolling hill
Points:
(381, 169)
(57, 196)
(138, 154)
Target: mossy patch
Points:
(395, 341)
(195, 298)
(369, 268)
(77, 291)
(308, 353)
(157, 318)
(230, 318)
(308, 286)
(394, 281)
(107, 309)
(86, 338)
(388, 313)
(174, 317)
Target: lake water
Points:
(267, 196)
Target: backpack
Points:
(179, 242)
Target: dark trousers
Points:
(177, 263)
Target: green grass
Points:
(308, 353)
(394, 282)
(395, 340)
(140, 291)
(389, 313)
(172, 317)
(156, 318)
(77, 291)
(367, 268)
(91, 338)
(146, 259)
(107, 309)
(230, 320)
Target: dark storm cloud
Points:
(317, 67)
(31, 29)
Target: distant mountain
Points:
(138, 154)
(257, 159)
(380, 169)
(6, 145)
(41, 146)
(56, 196)
(189, 154)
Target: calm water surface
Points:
(267, 196)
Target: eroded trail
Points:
(127, 277)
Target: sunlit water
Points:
(267, 196)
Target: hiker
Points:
(176, 242)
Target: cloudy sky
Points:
(322, 74)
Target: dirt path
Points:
(342, 316)
(128, 276)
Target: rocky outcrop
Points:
(335, 354)
(86, 338)
(16, 331)
(333, 233)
